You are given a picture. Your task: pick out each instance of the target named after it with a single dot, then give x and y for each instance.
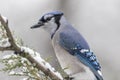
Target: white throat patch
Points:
(50, 26)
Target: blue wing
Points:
(70, 38)
(72, 41)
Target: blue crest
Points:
(55, 13)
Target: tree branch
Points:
(5, 48)
(43, 66)
(9, 35)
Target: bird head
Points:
(49, 21)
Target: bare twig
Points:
(17, 48)
(5, 48)
(9, 35)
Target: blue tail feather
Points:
(90, 60)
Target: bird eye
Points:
(48, 19)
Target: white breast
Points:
(74, 67)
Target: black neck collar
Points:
(57, 21)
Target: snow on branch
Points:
(7, 42)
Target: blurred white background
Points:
(97, 20)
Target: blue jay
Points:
(70, 47)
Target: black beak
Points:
(39, 24)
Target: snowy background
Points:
(97, 20)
